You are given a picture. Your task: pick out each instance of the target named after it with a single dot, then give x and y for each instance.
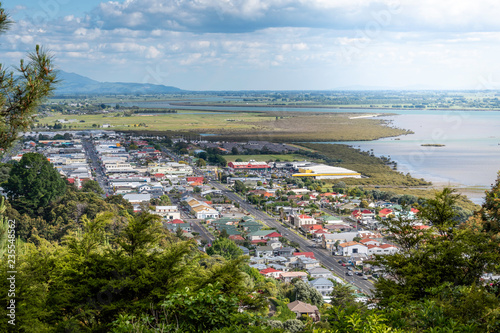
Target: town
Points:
(275, 212)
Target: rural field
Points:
(240, 126)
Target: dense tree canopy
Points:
(225, 248)
(33, 183)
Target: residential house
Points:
(284, 251)
(385, 213)
(350, 248)
(172, 227)
(201, 209)
(261, 235)
(323, 286)
(364, 215)
(329, 240)
(168, 212)
(301, 308)
(299, 220)
(311, 228)
(246, 252)
(320, 272)
(382, 249)
(287, 277)
(264, 251)
(271, 272)
(274, 244)
(369, 241)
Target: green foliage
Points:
(306, 293)
(4, 172)
(226, 248)
(22, 92)
(239, 186)
(33, 183)
(293, 325)
(92, 186)
(342, 321)
(142, 232)
(203, 310)
(283, 313)
(488, 217)
(119, 201)
(440, 211)
(342, 295)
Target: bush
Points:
(293, 325)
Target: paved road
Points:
(322, 255)
(200, 229)
(101, 177)
(11, 152)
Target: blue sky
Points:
(266, 44)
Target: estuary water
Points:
(470, 155)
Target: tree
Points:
(306, 293)
(225, 248)
(239, 186)
(488, 217)
(443, 254)
(33, 183)
(4, 172)
(441, 211)
(200, 163)
(142, 232)
(343, 296)
(92, 186)
(22, 92)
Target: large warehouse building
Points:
(322, 171)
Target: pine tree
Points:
(22, 92)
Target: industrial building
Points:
(322, 171)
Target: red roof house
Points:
(306, 254)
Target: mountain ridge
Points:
(73, 83)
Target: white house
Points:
(382, 249)
(347, 249)
(324, 286)
(168, 212)
(320, 272)
(299, 220)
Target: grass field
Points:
(243, 126)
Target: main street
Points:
(305, 245)
(97, 167)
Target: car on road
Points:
(350, 273)
(365, 277)
(349, 268)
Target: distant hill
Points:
(72, 84)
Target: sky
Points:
(265, 44)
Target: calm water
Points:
(471, 155)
